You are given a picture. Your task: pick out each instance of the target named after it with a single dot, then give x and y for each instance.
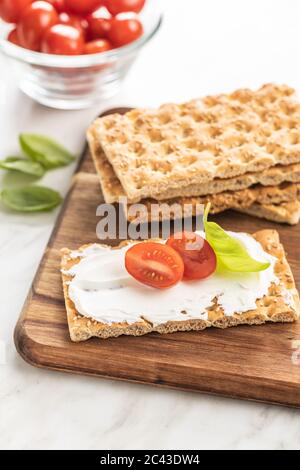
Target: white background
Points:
(205, 46)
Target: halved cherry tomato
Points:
(98, 45)
(99, 24)
(59, 5)
(154, 264)
(36, 19)
(83, 7)
(120, 6)
(63, 39)
(124, 30)
(198, 256)
(11, 10)
(13, 37)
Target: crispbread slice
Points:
(223, 136)
(112, 189)
(281, 201)
(252, 198)
(276, 203)
(280, 305)
(287, 212)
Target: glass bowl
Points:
(77, 82)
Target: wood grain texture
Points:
(251, 362)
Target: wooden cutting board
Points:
(252, 362)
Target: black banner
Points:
(144, 458)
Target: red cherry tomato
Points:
(11, 10)
(98, 45)
(198, 256)
(36, 19)
(99, 24)
(63, 39)
(154, 264)
(83, 7)
(59, 5)
(75, 21)
(120, 6)
(13, 37)
(124, 30)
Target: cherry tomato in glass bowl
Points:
(13, 37)
(11, 10)
(59, 5)
(97, 45)
(63, 39)
(99, 24)
(36, 19)
(120, 6)
(154, 264)
(124, 30)
(198, 257)
(83, 7)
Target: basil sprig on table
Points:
(41, 154)
(230, 252)
(45, 151)
(30, 199)
(23, 165)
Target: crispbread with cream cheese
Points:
(222, 136)
(280, 305)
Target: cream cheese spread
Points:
(102, 289)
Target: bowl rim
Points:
(80, 61)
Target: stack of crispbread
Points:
(239, 151)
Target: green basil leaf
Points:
(230, 252)
(22, 165)
(31, 199)
(12, 159)
(45, 151)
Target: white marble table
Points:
(215, 46)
